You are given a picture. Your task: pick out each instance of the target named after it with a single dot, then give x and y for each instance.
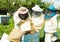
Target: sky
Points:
(53, 0)
(56, 2)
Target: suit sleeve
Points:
(16, 20)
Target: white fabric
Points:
(16, 20)
(54, 39)
(23, 10)
(24, 27)
(37, 8)
(4, 38)
(38, 21)
(51, 25)
(48, 37)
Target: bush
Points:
(7, 28)
(8, 4)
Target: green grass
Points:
(9, 27)
(6, 28)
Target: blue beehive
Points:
(4, 19)
(31, 37)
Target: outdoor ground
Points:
(9, 27)
(6, 28)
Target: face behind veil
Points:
(23, 13)
(36, 14)
(23, 16)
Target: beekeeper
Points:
(37, 18)
(50, 24)
(21, 24)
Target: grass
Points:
(9, 27)
(6, 28)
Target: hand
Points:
(22, 20)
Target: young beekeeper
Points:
(21, 24)
(50, 25)
(37, 18)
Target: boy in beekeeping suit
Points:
(37, 18)
(21, 24)
(50, 25)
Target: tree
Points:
(10, 7)
(3, 4)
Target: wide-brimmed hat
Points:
(22, 10)
(37, 8)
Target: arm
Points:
(16, 20)
(54, 22)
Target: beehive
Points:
(31, 37)
(4, 19)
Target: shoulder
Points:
(55, 16)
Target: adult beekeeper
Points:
(21, 24)
(37, 18)
(50, 24)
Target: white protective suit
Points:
(38, 22)
(50, 28)
(18, 24)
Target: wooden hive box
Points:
(4, 19)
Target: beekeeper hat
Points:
(37, 8)
(22, 10)
(51, 8)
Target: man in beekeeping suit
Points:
(50, 24)
(21, 24)
(37, 18)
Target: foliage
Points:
(6, 28)
(13, 5)
(3, 4)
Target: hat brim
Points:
(23, 10)
(37, 9)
